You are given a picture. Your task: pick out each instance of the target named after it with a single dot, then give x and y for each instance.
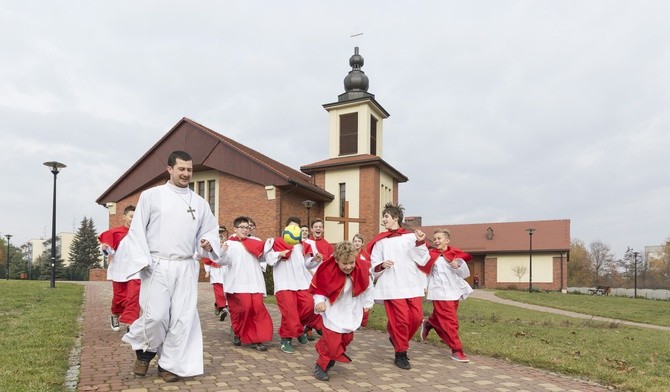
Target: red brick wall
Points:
(369, 202)
(238, 197)
(97, 274)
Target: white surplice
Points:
(403, 279)
(161, 243)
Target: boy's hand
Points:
(320, 307)
(420, 235)
(318, 257)
(283, 253)
(224, 246)
(366, 310)
(387, 264)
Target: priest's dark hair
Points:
(396, 211)
(183, 155)
(128, 209)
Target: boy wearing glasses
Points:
(245, 287)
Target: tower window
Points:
(348, 133)
(373, 135)
(343, 197)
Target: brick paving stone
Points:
(106, 362)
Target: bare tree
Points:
(602, 259)
(519, 271)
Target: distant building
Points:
(34, 248)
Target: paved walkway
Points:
(490, 296)
(106, 363)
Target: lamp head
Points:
(308, 203)
(530, 231)
(9, 236)
(54, 166)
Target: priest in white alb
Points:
(170, 225)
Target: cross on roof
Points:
(346, 219)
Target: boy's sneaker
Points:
(425, 329)
(402, 361)
(114, 322)
(286, 346)
(310, 334)
(259, 346)
(319, 374)
(302, 339)
(224, 313)
(236, 339)
(217, 309)
(458, 356)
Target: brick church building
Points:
(347, 190)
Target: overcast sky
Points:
(500, 110)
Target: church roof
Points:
(209, 150)
(508, 237)
(354, 161)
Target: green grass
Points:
(639, 310)
(629, 358)
(38, 328)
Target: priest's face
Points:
(347, 265)
(181, 173)
(389, 222)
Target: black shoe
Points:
(236, 339)
(259, 346)
(223, 314)
(320, 374)
(402, 361)
(330, 364)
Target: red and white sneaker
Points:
(425, 329)
(458, 356)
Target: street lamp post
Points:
(308, 204)
(530, 255)
(55, 168)
(635, 279)
(9, 237)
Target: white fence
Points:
(642, 293)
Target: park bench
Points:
(600, 290)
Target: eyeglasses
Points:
(244, 227)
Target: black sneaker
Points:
(114, 322)
(402, 361)
(320, 374)
(223, 313)
(259, 346)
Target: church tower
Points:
(355, 172)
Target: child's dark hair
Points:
(396, 211)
